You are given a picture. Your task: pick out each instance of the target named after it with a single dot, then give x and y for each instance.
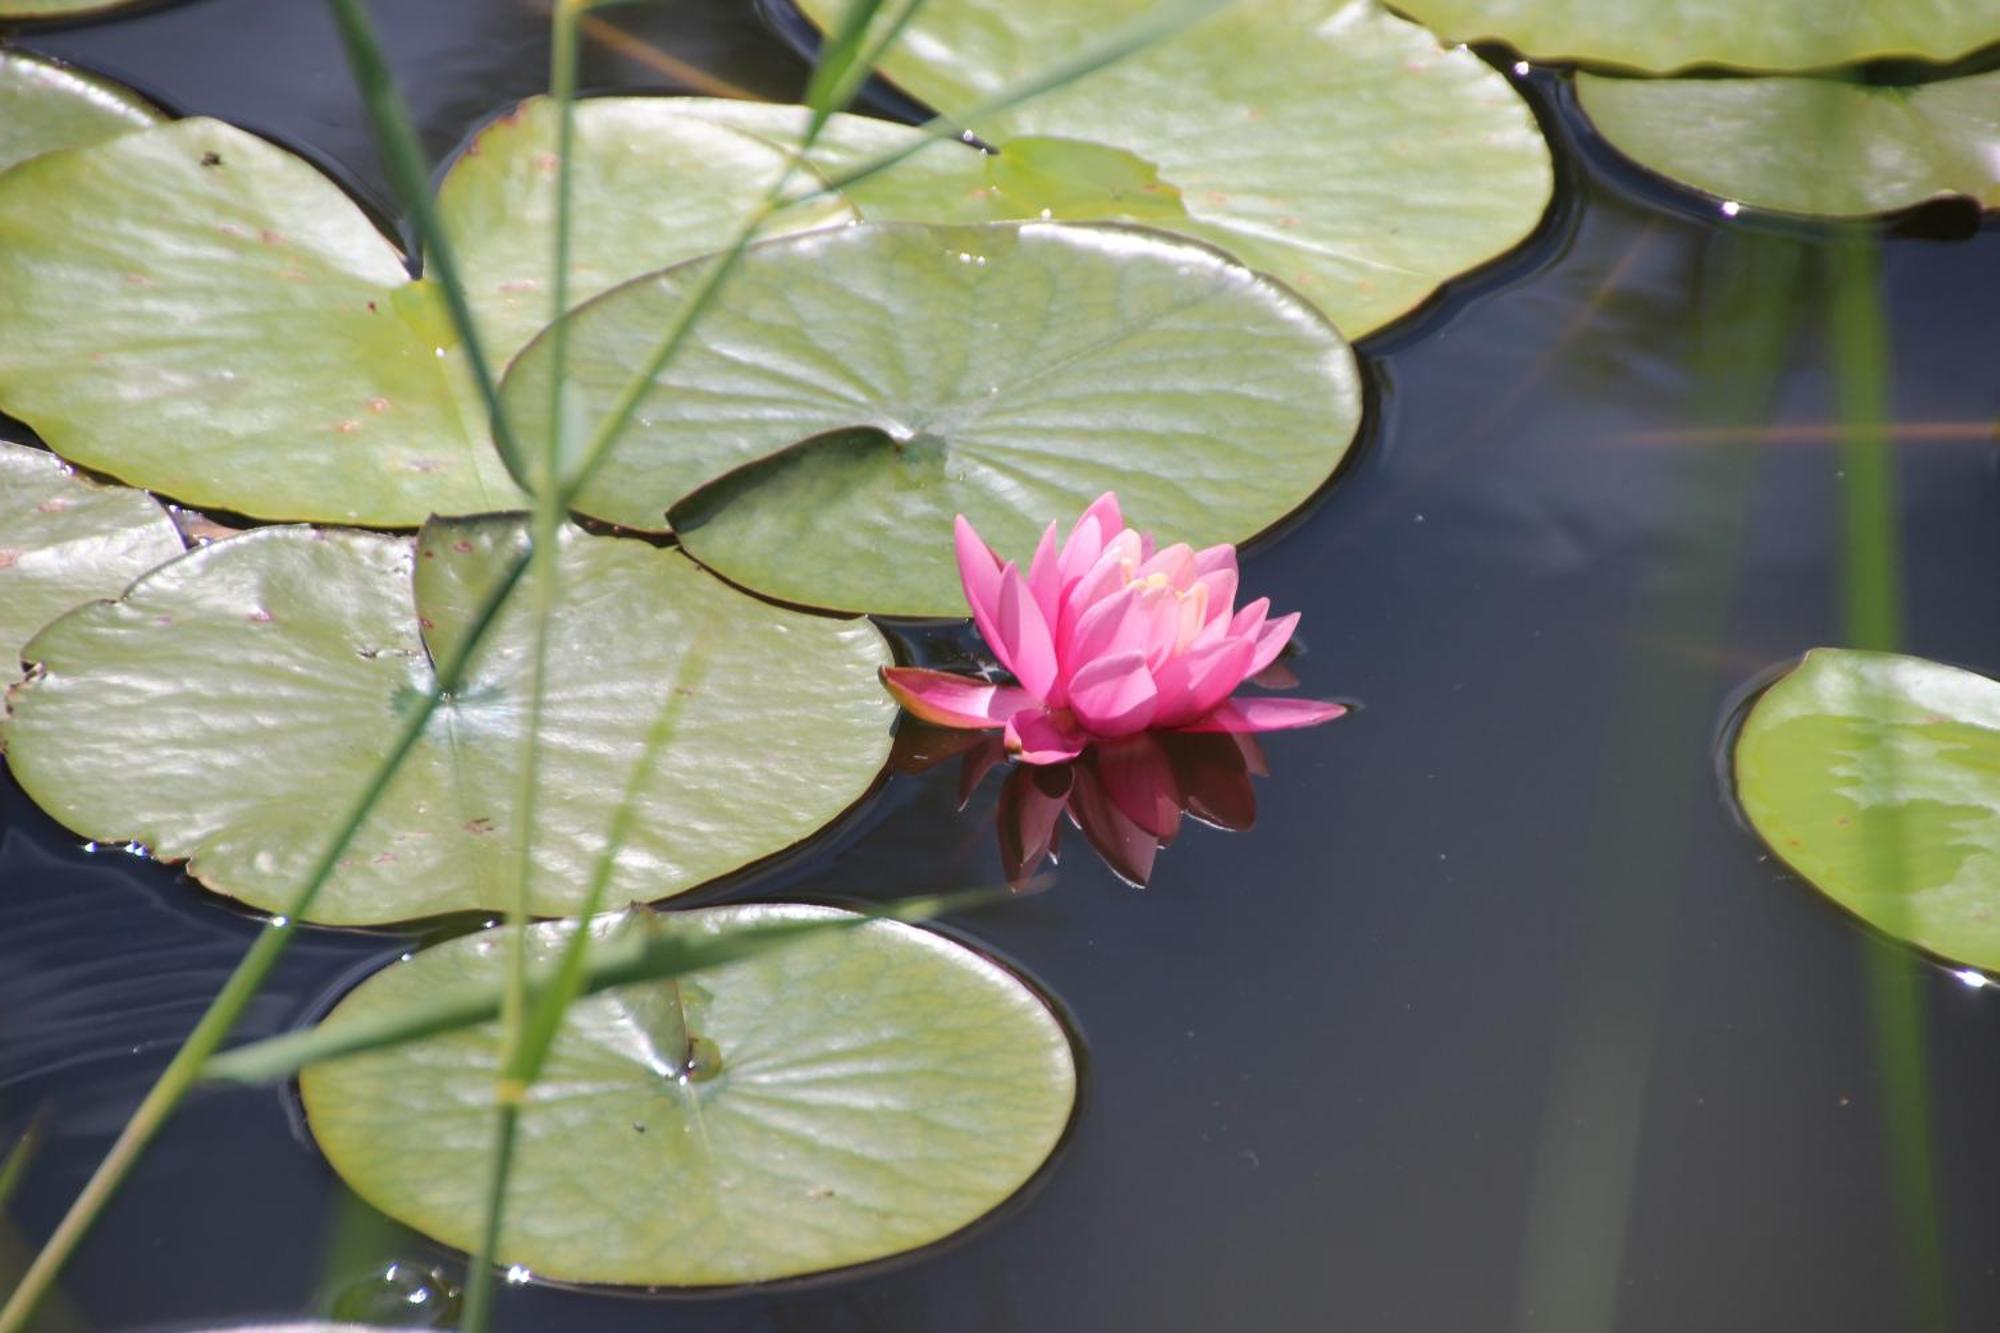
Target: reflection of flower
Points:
(1108, 638)
(1126, 796)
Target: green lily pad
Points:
(1877, 778)
(1010, 372)
(1763, 34)
(233, 703)
(1807, 145)
(1326, 142)
(45, 106)
(878, 1089)
(652, 187)
(65, 540)
(307, 376)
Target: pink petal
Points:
(1045, 576)
(1176, 562)
(1221, 584)
(1114, 696)
(1039, 736)
(1256, 714)
(1249, 622)
(1196, 681)
(972, 771)
(1210, 559)
(946, 700)
(1025, 646)
(979, 572)
(1135, 619)
(1271, 640)
(1087, 537)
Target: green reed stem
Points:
(15, 1164)
(409, 174)
(1871, 577)
(611, 963)
(545, 574)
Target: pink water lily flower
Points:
(1108, 637)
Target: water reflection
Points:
(1127, 796)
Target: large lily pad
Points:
(1877, 777)
(45, 106)
(1009, 372)
(1808, 145)
(195, 311)
(1326, 142)
(65, 540)
(879, 1088)
(232, 705)
(1662, 37)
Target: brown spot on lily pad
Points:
(9, 556)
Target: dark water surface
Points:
(1497, 1019)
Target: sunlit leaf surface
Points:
(45, 106)
(233, 704)
(1808, 145)
(196, 311)
(1009, 372)
(1326, 142)
(878, 1089)
(65, 540)
(1662, 36)
(1877, 777)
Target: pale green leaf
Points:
(1662, 36)
(195, 311)
(45, 106)
(1326, 142)
(230, 706)
(66, 540)
(879, 1089)
(1877, 778)
(1808, 145)
(1011, 373)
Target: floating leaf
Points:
(65, 540)
(306, 375)
(1325, 142)
(1767, 34)
(878, 1089)
(1877, 777)
(652, 187)
(1007, 372)
(233, 703)
(1808, 145)
(45, 106)
(38, 9)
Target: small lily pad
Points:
(308, 376)
(231, 706)
(1762, 34)
(1009, 372)
(45, 106)
(66, 540)
(1877, 778)
(1325, 142)
(878, 1089)
(1808, 145)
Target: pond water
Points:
(1498, 1018)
